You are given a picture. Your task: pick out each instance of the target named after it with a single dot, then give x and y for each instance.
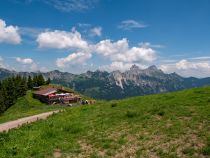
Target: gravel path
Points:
(17, 123)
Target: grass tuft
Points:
(113, 105)
(131, 114)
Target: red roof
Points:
(46, 91)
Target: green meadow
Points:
(26, 106)
(169, 125)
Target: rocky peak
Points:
(153, 70)
(134, 68)
(153, 67)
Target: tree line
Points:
(14, 87)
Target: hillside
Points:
(163, 125)
(26, 106)
(118, 85)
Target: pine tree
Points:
(23, 87)
(10, 90)
(40, 80)
(48, 81)
(29, 83)
(35, 81)
(2, 106)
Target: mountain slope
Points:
(117, 85)
(163, 125)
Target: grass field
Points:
(165, 125)
(26, 106)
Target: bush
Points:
(131, 114)
(161, 113)
(113, 105)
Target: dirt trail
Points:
(17, 123)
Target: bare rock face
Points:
(118, 78)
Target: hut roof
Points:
(46, 91)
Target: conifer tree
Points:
(48, 81)
(29, 83)
(41, 80)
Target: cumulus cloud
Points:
(9, 34)
(34, 67)
(131, 24)
(96, 31)
(74, 58)
(61, 40)
(120, 51)
(120, 66)
(188, 68)
(117, 51)
(184, 65)
(24, 60)
(1, 63)
(31, 31)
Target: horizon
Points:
(38, 71)
(79, 36)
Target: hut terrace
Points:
(55, 96)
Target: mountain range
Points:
(116, 84)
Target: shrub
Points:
(131, 114)
(161, 113)
(113, 105)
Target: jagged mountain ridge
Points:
(117, 85)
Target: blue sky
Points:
(81, 35)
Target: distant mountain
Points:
(117, 85)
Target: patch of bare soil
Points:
(129, 149)
(157, 144)
(57, 153)
(87, 150)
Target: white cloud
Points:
(24, 60)
(66, 5)
(9, 34)
(201, 58)
(120, 66)
(120, 51)
(34, 67)
(72, 5)
(96, 31)
(185, 65)
(188, 68)
(32, 31)
(107, 47)
(72, 59)
(149, 45)
(131, 24)
(2, 63)
(61, 40)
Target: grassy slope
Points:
(164, 125)
(25, 106)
